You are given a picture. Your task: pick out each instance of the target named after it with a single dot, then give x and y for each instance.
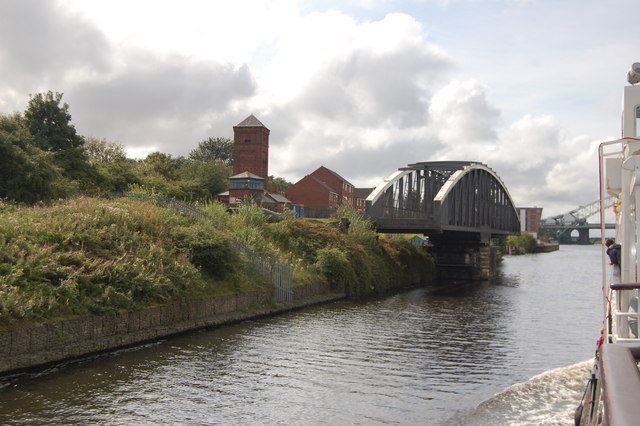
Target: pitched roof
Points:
(322, 183)
(272, 198)
(279, 197)
(246, 175)
(250, 121)
(363, 192)
(334, 173)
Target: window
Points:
(638, 121)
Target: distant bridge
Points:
(561, 226)
(438, 196)
(460, 205)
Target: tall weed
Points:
(91, 256)
(360, 228)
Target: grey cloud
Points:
(367, 88)
(161, 102)
(145, 99)
(40, 43)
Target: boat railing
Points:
(620, 383)
(624, 312)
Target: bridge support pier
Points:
(463, 259)
(583, 236)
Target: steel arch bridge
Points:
(442, 196)
(579, 215)
(560, 227)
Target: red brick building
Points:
(251, 167)
(346, 191)
(251, 147)
(322, 191)
(314, 193)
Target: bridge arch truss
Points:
(433, 197)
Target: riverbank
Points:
(33, 345)
(546, 248)
(89, 275)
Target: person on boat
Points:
(614, 251)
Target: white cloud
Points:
(230, 31)
(347, 85)
(462, 113)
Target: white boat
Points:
(612, 395)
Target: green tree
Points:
(214, 149)
(27, 173)
(203, 180)
(99, 150)
(277, 184)
(50, 125)
(12, 123)
(162, 165)
(117, 175)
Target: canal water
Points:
(512, 351)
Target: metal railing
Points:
(625, 315)
(278, 273)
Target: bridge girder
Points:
(439, 196)
(579, 215)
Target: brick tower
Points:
(251, 147)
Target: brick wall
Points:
(310, 193)
(346, 191)
(251, 151)
(38, 344)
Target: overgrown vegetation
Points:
(94, 256)
(355, 259)
(91, 256)
(524, 242)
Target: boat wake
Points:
(549, 398)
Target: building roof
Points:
(278, 197)
(334, 173)
(272, 198)
(250, 121)
(327, 187)
(363, 192)
(246, 175)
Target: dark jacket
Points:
(614, 253)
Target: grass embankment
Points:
(92, 256)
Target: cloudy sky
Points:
(529, 87)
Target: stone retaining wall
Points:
(33, 345)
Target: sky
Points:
(363, 87)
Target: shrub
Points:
(334, 265)
(360, 228)
(524, 241)
(208, 248)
